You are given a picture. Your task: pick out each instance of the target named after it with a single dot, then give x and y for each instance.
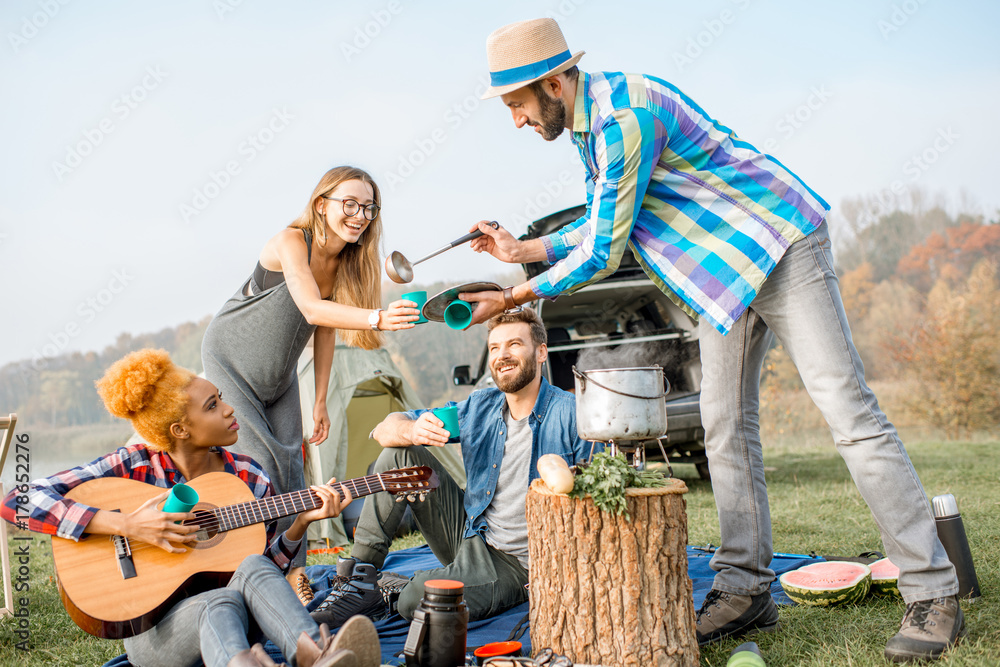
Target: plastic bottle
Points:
(746, 655)
(951, 531)
(440, 624)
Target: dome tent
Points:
(364, 387)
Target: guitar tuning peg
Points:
(400, 498)
(423, 496)
(412, 497)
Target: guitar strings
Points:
(214, 518)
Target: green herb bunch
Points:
(606, 479)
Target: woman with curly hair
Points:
(319, 275)
(187, 428)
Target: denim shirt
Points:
(483, 429)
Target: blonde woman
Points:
(320, 274)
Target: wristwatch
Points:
(373, 318)
(508, 300)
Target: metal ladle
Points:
(400, 270)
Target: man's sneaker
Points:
(727, 615)
(355, 591)
(929, 628)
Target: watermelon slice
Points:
(884, 578)
(827, 584)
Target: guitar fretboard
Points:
(232, 517)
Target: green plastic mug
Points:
(182, 498)
(458, 314)
(419, 298)
(449, 416)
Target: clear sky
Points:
(151, 148)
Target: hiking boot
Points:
(359, 636)
(327, 653)
(355, 591)
(929, 627)
(729, 615)
(258, 657)
(300, 584)
(391, 585)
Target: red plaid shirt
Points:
(49, 511)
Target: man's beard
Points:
(553, 111)
(512, 385)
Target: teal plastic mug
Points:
(419, 298)
(449, 416)
(458, 314)
(182, 498)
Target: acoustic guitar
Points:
(113, 587)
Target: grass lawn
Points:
(814, 507)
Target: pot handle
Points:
(583, 385)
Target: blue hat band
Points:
(529, 71)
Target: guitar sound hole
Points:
(209, 534)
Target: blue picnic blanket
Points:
(392, 631)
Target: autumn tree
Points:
(856, 288)
(952, 356)
(949, 254)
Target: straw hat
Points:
(525, 52)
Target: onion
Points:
(555, 473)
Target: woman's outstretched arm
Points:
(293, 255)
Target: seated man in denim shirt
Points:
(479, 534)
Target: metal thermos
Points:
(745, 655)
(440, 623)
(951, 531)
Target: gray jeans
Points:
(214, 626)
(800, 303)
(494, 581)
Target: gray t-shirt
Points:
(506, 526)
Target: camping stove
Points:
(622, 407)
(634, 451)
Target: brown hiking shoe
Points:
(302, 589)
(929, 628)
(727, 615)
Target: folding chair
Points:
(7, 424)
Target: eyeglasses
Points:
(351, 208)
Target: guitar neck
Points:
(232, 517)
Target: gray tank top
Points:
(258, 338)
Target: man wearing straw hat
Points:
(740, 242)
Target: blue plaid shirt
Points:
(706, 214)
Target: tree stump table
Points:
(608, 591)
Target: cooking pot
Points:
(619, 404)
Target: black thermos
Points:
(951, 531)
(437, 633)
